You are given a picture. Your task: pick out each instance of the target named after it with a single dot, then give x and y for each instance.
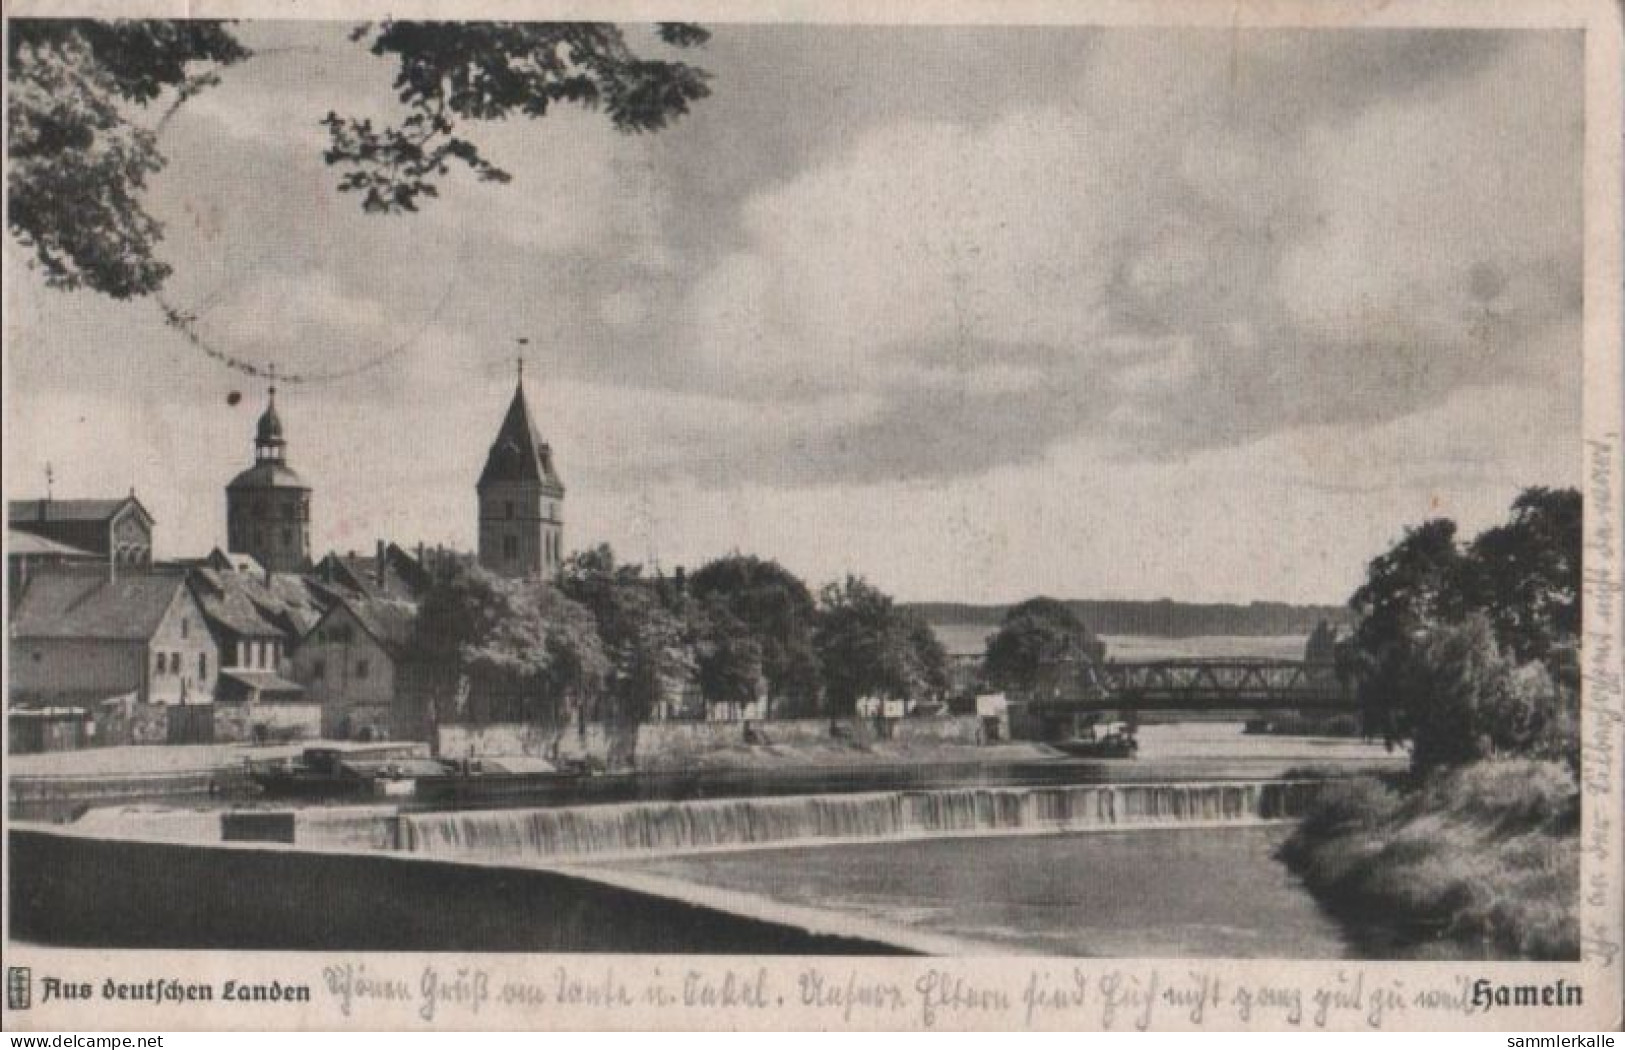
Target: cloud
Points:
(1210, 263)
(976, 311)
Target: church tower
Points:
(521, 499)
(268, 505)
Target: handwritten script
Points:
(941, 995)
(1604, 708)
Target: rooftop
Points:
(268, 474)
(519, 453)
(26, 543)
(95, 606)
(31, 511)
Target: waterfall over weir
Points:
(579, 832)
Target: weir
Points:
(581, 832)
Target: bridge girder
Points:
(1172, 685)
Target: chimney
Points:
(378, 566)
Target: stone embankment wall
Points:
(74, 891)
(148, 724)
(234, 723)
(667, 743)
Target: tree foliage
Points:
(518, 637)
(776, 609)
(77, 164)
(728, 657)
(1459, 697)
(1468, 651)
(870, 646)
(447, 71)
(1035, 633)
(644, 639)
(1525, 575)
(80, 158)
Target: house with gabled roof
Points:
(350, 662)
(116, 530)
(254, 631)
(389, 572)
(89, 634)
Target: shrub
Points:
(1345, 805)
(1479, 860)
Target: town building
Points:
(90, 635)
(118, 531)
(350, 661)
(28, 555)
(253, 630)
(521, 500)
(389, 572)
(268, 505)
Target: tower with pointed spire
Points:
(268, 505)
(521, 500)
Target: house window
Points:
(361, 668)
(318, 669)
(507, 509)
(186, 625)
(510, 547)
(175, 663)
(202, 667)
(287, 537)
(159, 667)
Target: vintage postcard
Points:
(949, 515)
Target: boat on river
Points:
(1109, 740)
(335, 773)
(489, 781)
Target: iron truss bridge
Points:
(1208, 684)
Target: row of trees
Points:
(1470, 650)
(608, 642)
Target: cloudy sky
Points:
(975, 312)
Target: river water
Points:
(1173, 869)
(1147, 858)
(1168, 892)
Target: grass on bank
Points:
(1482, 861)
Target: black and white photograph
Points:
(958, 486)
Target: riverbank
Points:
(144, 759)
(62, 784)
(1482, 862)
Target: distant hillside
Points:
(1166, 619)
